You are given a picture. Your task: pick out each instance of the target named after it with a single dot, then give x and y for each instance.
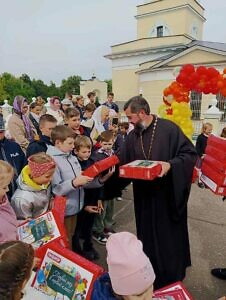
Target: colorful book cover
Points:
(39, 231)
(64, 275)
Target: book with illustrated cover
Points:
(42, 231)
(65, 275)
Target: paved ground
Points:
(207, 228)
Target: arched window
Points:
(159, 31)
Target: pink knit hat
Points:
(129, 268)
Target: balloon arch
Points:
(176, 97)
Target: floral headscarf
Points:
(17, 108)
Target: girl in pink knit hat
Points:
(32, 197)
(8, 221)
(130, 276)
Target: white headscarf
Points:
(97, 118)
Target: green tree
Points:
(25, 78)
(15, 86)
(41, 89)
(53, 90)
(71, 85)
(109, 83)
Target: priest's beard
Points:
(141, 126)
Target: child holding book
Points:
(33, 193)
(103, 224)
(92, 204)
(67, 179)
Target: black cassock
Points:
(161, 205)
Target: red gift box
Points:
(65, 273)
(217, 142)
(218, 190)
(43, 231)
(100, 166)
(217, 153)
(59, 207)
(176, 290)
(217, 165)
(218, 178)
(141, 169)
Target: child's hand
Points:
(91, 209)
(108, 175)
(81, 180)
(100, 206)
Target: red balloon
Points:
(201, 70)
(223, 92)
(188, 69)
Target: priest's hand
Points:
(165, 168)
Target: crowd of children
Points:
(53, 158)
(53, 149)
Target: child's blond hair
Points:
(205, 126)
(82, 141)
(106, 136)
(6, 171)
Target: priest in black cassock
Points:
(161, 204)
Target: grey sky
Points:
(53, 39)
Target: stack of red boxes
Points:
(214, 165)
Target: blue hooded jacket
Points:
(102, 289)
(11, 152)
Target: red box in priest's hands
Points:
(141, 169)
(100, 166)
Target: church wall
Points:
(149, 43)
(128, 61)
(194, 25)
(100, 87)
(197, 57)
(125, 84)
(166, 4)
(153, 91)
(146, 26)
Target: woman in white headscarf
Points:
(100, 117)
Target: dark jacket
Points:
(91, 195)
(201, 143)
(38, 146)
(112, 105)
(111, 188)
(11, 152)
